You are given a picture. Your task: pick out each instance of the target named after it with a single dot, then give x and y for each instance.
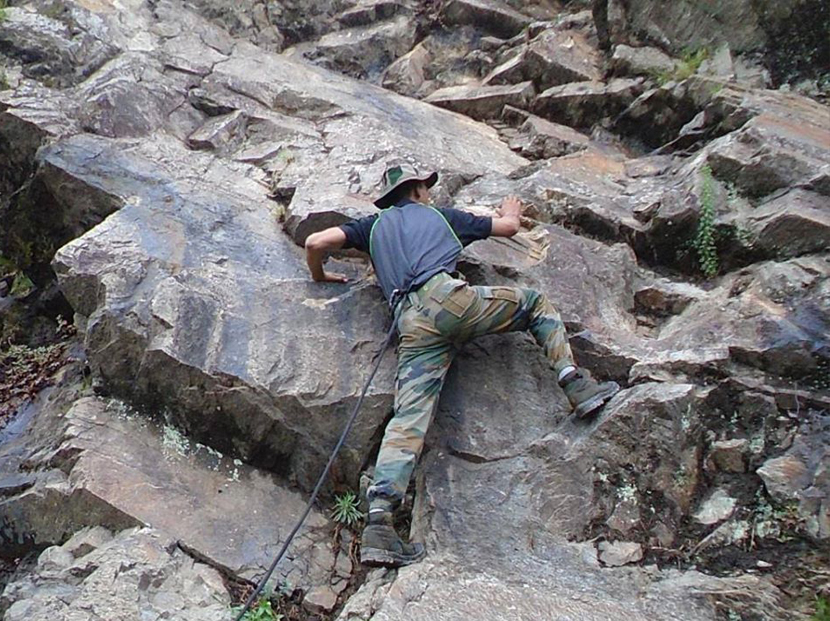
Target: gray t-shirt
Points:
(409, 243)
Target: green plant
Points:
(3, 5)
(704, 240)
(21, 286)
(346, 510)
(4, 82)
(686, 67)
(262, 611)
(822, 609)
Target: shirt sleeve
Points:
(357, 233)
(468, 227)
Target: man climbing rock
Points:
(414, 248)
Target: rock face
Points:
(131, 575)
(136, 472)
(164, 162)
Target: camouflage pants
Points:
(434, 322)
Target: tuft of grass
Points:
(704, 240)
(690, 61)
(822, 610)
(346, 509)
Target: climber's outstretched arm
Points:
(316, 247)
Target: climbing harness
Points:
(394, 304)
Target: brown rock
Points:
(784, 477)
(728, 455)
(778, 149)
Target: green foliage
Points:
(704, 240)
(346, 510)
(690, 61)
(262, 611)
(4, 82)
(822, 610)
(3, 5)
(21, 286)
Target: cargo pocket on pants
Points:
(455, 297)
(509, 294)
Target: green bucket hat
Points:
(395, 176)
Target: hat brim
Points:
(384, 200)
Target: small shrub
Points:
(704, 239)
(262, 611)
(346, 509)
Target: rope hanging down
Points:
(378, 357)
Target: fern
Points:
(704, 239)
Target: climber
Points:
(414, 249)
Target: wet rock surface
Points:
(161, 165)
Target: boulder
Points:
(363, 50)
(221, 133)
(406, 75)
(492, 16)
(718, 506)
(60, 52)
(582, 104)
(749, 321)
(139, 573)
(801, 475)
(771, 152)
(620, 553)
(110, 468)
(663, 297)
(369, 12)
(554, 57)
(541, 139)
(796, 223)
(482, 102)
(728, 456)
(645, 61)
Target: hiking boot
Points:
(585, 393)
(380, 545)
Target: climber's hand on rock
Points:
(334, 277)
(510, 206)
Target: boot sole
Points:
(376, 557)
(600, 399)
